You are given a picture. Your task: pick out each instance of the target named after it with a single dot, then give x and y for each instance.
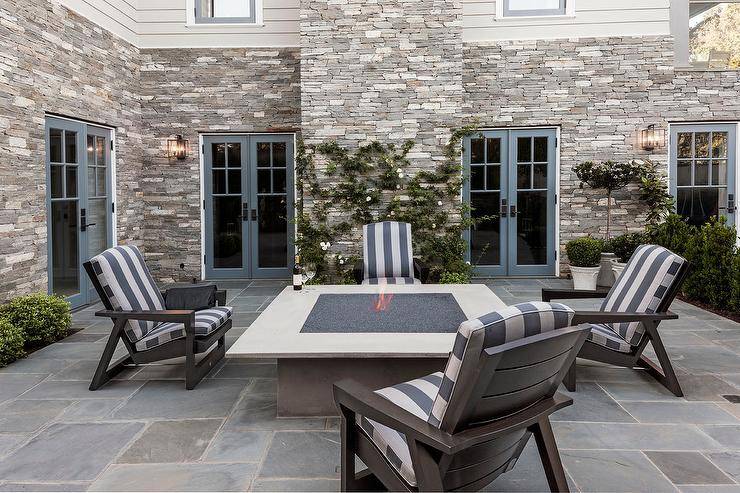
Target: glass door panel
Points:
(702, 172)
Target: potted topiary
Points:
(623, 247)
(609, 176)
(584, 255)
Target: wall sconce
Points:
(178, 148)
(652, 138)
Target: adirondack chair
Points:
(388, 256)
(142, 321)
(630, 314)
(463, 428)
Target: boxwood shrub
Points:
(624, 246)
(11, 342)
(42, 318)
(584, 252)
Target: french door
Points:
(79, 204)
(511, 191)
(703, 171)
(248, 190)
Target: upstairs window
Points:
(225, 11)
(531, 8)
(714, 35)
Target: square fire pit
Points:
(377, 335)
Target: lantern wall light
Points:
(178, 148)
(652, 138)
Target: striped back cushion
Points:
(500, 327)
(387, 250)
(641, 288)
(128, 284)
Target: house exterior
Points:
(92, 90)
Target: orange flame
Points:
(383, 301)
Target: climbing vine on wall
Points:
(373, 183)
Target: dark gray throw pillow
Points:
(195, 297)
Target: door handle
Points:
(730, 203)
(254, 214)
(503, 208)
(512, 211)
(84, 226)
(245, 212)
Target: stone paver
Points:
(144, 431)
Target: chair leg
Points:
(104, 373)
(194, 373)
(549, 455)
(570, 378)
(349, 445)
(663, 373)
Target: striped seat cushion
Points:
(127, 283)
(392, 280)
(387, 251)
(474, 336)
(206, 321)
(603, 335)
(415, 396)
(643, 285)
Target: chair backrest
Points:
(387, 250)
(648, 284)
(124, 282)
(502, 363)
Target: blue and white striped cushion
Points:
(128, 284)
(206, 321)
(500, 327)
(641, 288)
(603, 335)
(387, 250)
(415, 396)
(392, 280)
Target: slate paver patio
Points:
(144, 431)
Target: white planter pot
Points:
(606, 276)
(585, 277)
(617, 268)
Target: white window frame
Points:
(570, 11)
(192, 21)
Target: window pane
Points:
(263, 154)
(719, 172)
(701, 172)
(279, 156)
(100, 151)
(533, 4)
(56, 181)
(531, 245)
(278, 181)
(493, 150)
(713, 34)
(683, 177)
(477, 153)
(485, 240)
(684, 144)
(100, 189)
(263, 181)
(71, 181)
(540, 149)
(55, 145)
(225, 8)
(493, 177)
(476, 178)
(523, 174)
(219, 181)
(706, 205)
(719, 144)
(524, 149)
(70, 142)
(540, 175)
(65, 277)
(235, 155)
(273, 231)
(227, 232)
(701, 144)
(90, 150)
(235, 181)
(219, 155)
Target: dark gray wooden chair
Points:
(147, 328)
(461, 429)
(630, 314)
(388, 257)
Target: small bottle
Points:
(297, 276)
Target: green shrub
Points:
(584, 252)
(624, 246)
(713, 255)
(735, 303)
(454, 278)
(11, 342)
(42, 318)
(674, 233)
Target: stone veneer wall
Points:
(203, 90)
(600, 92)
(52, 60)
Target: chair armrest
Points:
(182, 316)
(421, 270)
(617, 317)
(220, 297)
(358, 271)
(571, 294)
(363, 401)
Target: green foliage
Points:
(654, 192)
(42, 318)
(11, 342)
(454, 278)
(607, 175)
(372, 184)
(584, 252)
(674, 233)
(713, 255)
(624, 246)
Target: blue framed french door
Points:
(248, 205)
(511, 192)
(79, 204)
(703, 169)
